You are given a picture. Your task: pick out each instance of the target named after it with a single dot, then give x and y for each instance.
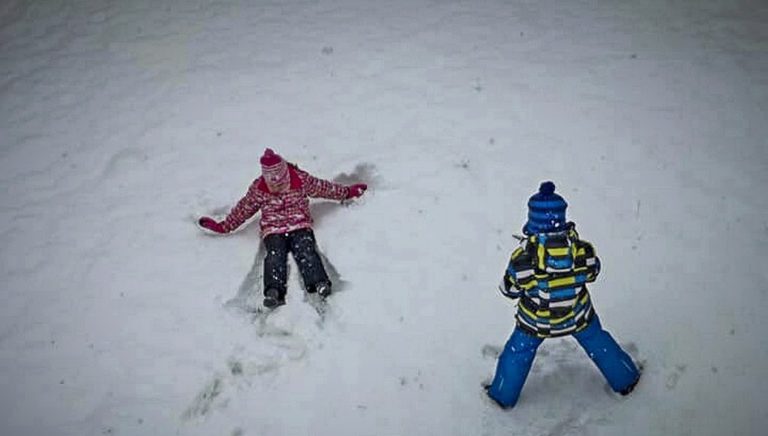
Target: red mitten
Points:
(356, 190)
(211, 224)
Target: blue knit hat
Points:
(546, 211)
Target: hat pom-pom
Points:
(270, 158)
(547, 188)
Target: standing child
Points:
(282, 194)
(549, 273)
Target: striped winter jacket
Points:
(549, 273)
(283, 212)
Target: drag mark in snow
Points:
(202, 404)
(674, 377)
(248, 297)
(239, 375)
(124, 160)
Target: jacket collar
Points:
(295, 181)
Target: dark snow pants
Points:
(301, 243)
(516, 360)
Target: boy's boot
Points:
(628, 390)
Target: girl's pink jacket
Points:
(283, 212)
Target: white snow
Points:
(122, 122)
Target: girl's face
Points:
(277, 178)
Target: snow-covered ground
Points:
(121, 122)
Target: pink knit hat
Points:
(274, 169)
(270, 159)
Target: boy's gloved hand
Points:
(211, 224)
(356, 190)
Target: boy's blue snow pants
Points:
(516, 360)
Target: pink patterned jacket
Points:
(283, 212)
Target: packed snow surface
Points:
(122, 122)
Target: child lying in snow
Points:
(282, 194)
(549, 273)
